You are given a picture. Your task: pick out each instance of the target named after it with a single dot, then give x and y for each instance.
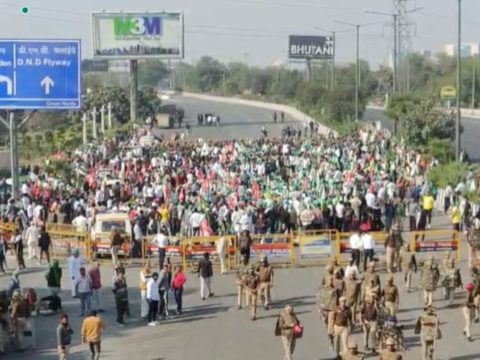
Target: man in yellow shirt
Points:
(456, 217)
(428, 203)
(92, 333)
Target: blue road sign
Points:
(40, 74)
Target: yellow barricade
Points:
(316, 246)
(195, 248)
(101, 249)
(436, 241)
(175, 251)
(343, 246)
(63, 242)
(278, 248)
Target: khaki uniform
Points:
(251, 289)
(265, 274)
(327, 303)
(341, 322)
(369, 275)
(240, 283)
(285, 324)
(390, 355)
(348, 356)
(352, 294)
(429, 280)
(392, 297)
(20, 313)
(370, 323)
(473, 240)
(427, 327)
(468, 311)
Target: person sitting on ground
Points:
(49, 305)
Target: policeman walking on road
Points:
(427, 327)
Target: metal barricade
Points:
(343, 245)
(279, 248)
(175, 251)
(315, 246)
(101, 249)
(64, 241)
(436, 241)
(196, 247)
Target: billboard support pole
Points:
(458, 144)
(133, 90)
(84, 128)
(14, 154)
(94, 123)
(333, 59)
(102, 119)
(357, 73)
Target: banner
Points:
(138, 35)
(314, 247)
(311, 47)
(428, 246)
(379, 249)
(278, 250)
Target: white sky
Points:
(255, 31)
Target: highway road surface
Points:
(470, 135)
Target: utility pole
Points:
(458, 145)
(474, 79)
(14, 155)
(102, 119)
(94, 123)
(109, 116)
(134, 88)
(84, 128)
(357, 67)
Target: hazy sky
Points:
(255, 31)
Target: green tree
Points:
(151, 73)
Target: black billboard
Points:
(311, 47)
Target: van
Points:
(102, 228)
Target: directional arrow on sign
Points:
(47, 83)
(8, 81)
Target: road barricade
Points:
(196, 247)
(435, 241)
(343, 246)
(65, 239)
(175, 251)
(279, 248)
(100, 247)
(315, 246)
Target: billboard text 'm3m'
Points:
(135, 26)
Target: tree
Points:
(151, 73)
(209, 74)
(399, 106)
(149, 103)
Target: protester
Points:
(44, 242)
(32, 235)
(96, 277)
(163, 289)
(145, 275)
(92, 327)
(153, 298)
(161, 241)
(64, 337)
(54, 277)
(3, 254)
(83, 291)
(205, 272)
(121, 297)
(75, 262)
(179, 279)
(18, 244)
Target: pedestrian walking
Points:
(179, 280)
(96, 276)
(429, 279)
(222, 253)
(153, 298)
(369, 318)
(368, 245)
(427, 326)
(54, 277)
(205, 272)
(121, 297)
(341, 326)
(31, 235)
(163, 289)
(116, 242)
(265, 272)
(64, 337)
(145, 275)
(287, 321)
(468, 310)
(92, 327)
(83, 291)
(244, 244)
(252, 282)
(391, 296)
(75, 262)
(161, 240)
(18, 244)
(3, 253)
(44, 242)
(355, 246)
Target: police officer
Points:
(468, 310)
(451, 280)
(369, 317)
(341, 325)
(352, 294)
(240, 282)
(390, 353)
(252, 282)
(352, 352)
(265, 272)
(371, 277)
(327, 303)
(429, 279)
(427, 327)
(391, 296)
(328, 274)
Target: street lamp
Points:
(459, 84)
(334, 33)
(357, 67)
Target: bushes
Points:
(450, 173)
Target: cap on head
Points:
(371, 264)
(329, 267)
(390, 342)
(76, 252)
(390, 277)
(342, 299)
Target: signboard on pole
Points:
(303, 47)
(448, 92)
(155, 35)
(40, 74)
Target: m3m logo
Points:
(137, 26)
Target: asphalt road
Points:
(470, 136)
(237, 121)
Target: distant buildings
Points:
(467, 49)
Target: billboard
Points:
(302, 47)
(138, 35)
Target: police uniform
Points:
(341, 322)
(468, 311)
(390, 354)
(369, 322)
(240, 282)
(352, 294)
(429, 280)
(252, 282)
(265, 273)
(391, 296)
(427, 327)
(451, 280)
(351, 353)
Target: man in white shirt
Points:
(32, 234)
(351, 269)
(75, 262)
(161, 241)
(80, 222)
(153, 297)
(368, 244)
(355, 246)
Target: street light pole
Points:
(395, 52)
(357, 72)
(459, 84)
(333, 59)
(474, 80)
